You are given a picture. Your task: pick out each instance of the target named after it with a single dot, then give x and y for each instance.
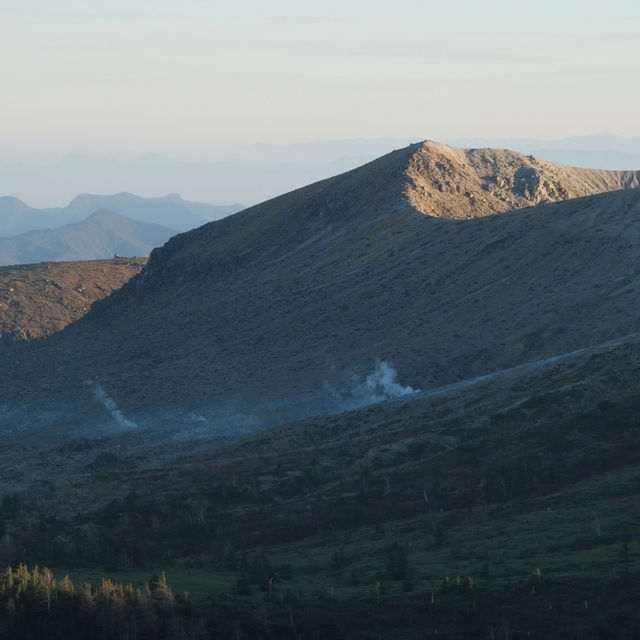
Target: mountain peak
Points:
(10, 205)
(449, 182)
(283, 305)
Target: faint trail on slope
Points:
(602, 347)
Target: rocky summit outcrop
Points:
(469, 183)
(289, 307)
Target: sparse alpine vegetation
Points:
(39, 299)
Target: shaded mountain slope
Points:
(39, 299)
(282, 309)
(441, 300)
(101, 235)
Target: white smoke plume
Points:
(378, 386)
(381, 382)
(109, 404)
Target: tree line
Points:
(35, 604)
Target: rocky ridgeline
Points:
(469, 183)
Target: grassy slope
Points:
(539, 472)
(39, 299)
(570, 547)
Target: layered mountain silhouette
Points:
(102, 235)
(448, 263)
(170, 211)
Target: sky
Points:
(170, 76)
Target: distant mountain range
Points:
(171, 211)
(102, 235)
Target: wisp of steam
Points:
(378, 386)
(109, 404)
(381, 382)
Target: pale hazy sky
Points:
(167, 74)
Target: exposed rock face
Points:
(277, 308)
(468, 183)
